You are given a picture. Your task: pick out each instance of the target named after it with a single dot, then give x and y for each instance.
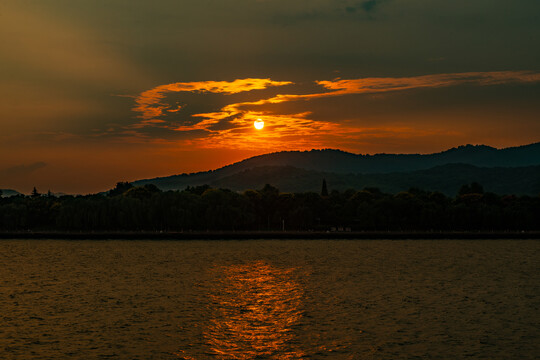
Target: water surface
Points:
(269, 299)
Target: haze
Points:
(98, 92)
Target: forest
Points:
(201, 208)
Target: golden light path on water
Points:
(255, 310)
(271, 299)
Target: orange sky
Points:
(92, 94)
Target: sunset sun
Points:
(259, 124)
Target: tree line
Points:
(201, 208)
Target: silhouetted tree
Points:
(35, 193)
(198, 190)
(473, 188)
(138, 192)
(147, 208)
(476, 188)
(120, 188)
(152, 188)
(324, 191)
(269, 201)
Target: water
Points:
(269, 299)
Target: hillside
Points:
(446, 179)
(510, 170)
(9, 192)
(343, 162)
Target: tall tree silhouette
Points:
(35, 193)
(324, 191)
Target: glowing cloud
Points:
(231, 126)
(373, 85)
(149, 104)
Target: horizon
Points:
(93, 94)
(255, 156)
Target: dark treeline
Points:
(146, 208)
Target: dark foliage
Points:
(121, 187)
(446, 179)
(146, 208)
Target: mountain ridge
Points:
(9, 192)
(518, 180)
(339, 162)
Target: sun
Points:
(259, 124)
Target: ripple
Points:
(269, 299)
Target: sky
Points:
(93, 92)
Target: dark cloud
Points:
(225, 124)
(370, 5)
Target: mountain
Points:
(9, 192)
(343, 162)
(445, 178)
(510, 170)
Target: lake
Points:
(270, 299)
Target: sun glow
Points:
(259, 124)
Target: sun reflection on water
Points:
(255, 309)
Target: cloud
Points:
(149, 104)
(294, 13)
(369, 5)
(373, 85)
(230, 123)
(376, 85)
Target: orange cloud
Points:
(149, 105)
(373, 85)
(293, 131)
(377, 85)
(232, 126)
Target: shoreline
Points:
(277, 235)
